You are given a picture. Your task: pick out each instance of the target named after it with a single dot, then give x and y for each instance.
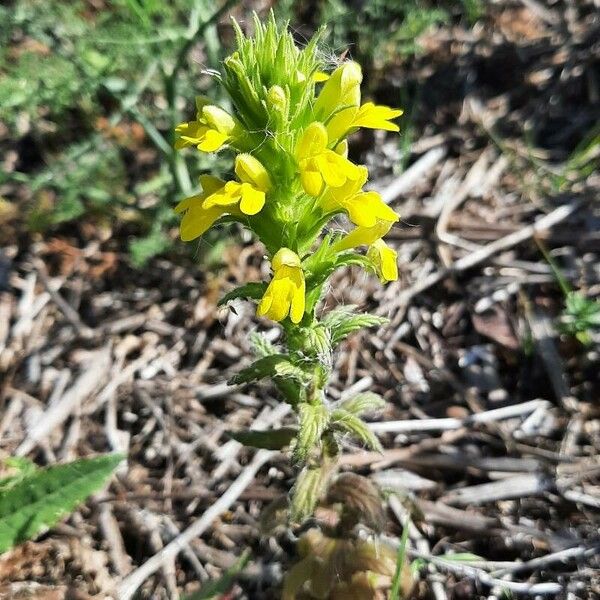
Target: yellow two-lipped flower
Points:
(318, 165)
(244, 197)
(197, 218)
(249, 193)
(363, 208)
(212, 128)
(382, 256)
(338, 105)
(286, 292)
(385, 260)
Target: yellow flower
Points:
(342, 89)
(197, 218)
(249, 193)
(364, 208)
(212, 128)
(319, 165)
(338, 105)
(365, 236)
(385, 260)
(285, 294)
(369, 115)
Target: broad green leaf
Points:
(22, 467)
(252, 291)
(40, 499)
(272, 439)
(261, 368)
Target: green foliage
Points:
(249, 291)
(261, 346)
(308, 489)
(272, 439)
(382, 30)
(217, 589)
(361, 404)
(36, 499)
(342, 322)
(313, 421)
(273, 365)
(581, 314)
(395, 593)
(347, 422)
(144, 248)
(88, 88)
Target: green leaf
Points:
(361, 404)
(272, 439)
(261, 346)
(40, 499)
(342, 323)
(144, 248)
(461, 557)
(251, 291)
(215, 589)
(313, 421)
(395, 592)
(308, 489)
(23, 468)
(346, 421)
(267, 366)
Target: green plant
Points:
(82, 88)
(580, 314)
(382, 30)
(217, 589)
(35, 499)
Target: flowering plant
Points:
(288, 129)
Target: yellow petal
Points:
(311, 180)
(385, 260)
(210, 184)
(212, 140)
(319, 77)
(341, 122)
(330, 169)
(363, 236)
(252, 199)
(312, 142)
(285, 257)
(250, 170)
(228, 195)
(366, 208)
(341, 89)
(298, 298)
(197, 220)
(218, 119)
(376, 117)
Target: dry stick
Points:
(547, 588)
(132, 582)
(479, 256)
(67, 310)
(413, 174)
(507, 412)
(60, 411)
(474, 178)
